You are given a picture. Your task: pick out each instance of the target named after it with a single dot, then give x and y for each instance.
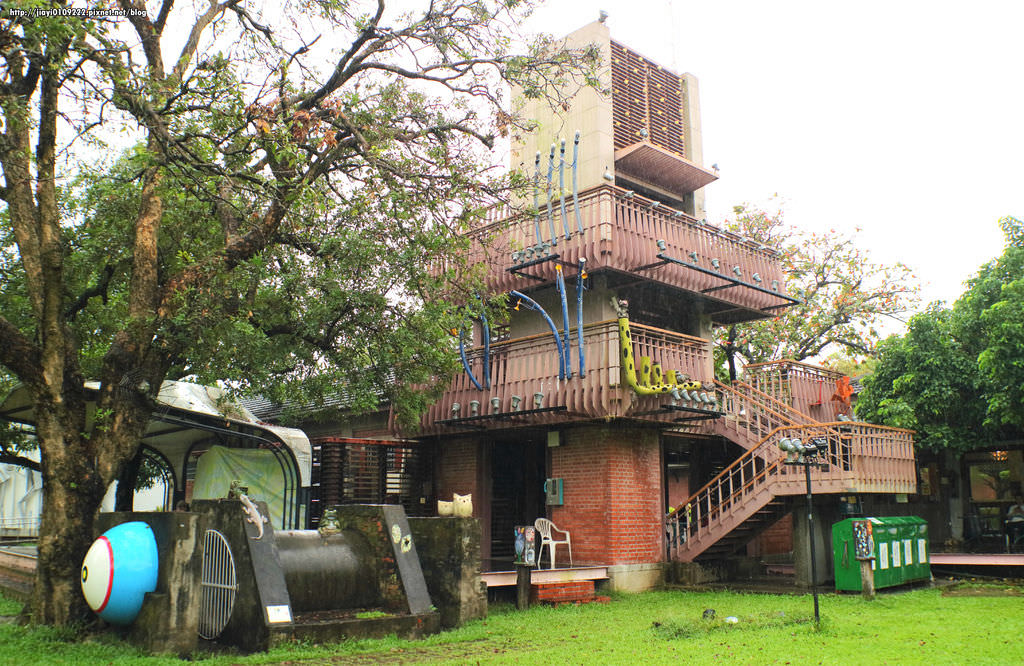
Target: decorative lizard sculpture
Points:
(253, 515)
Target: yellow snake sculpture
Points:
(651, 381)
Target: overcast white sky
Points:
(905, 118)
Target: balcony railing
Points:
(525, 367)
(806, 388)
(620, 231)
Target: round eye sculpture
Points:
(118, 570)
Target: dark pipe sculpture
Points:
(333, 572)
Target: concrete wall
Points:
(169, 619)
(590, 113)
(449, 550)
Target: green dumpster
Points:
(913, 532)
(898, 545)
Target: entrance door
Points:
(517, 492)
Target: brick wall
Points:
(613, 503)
(565, 592)
(458, 471)
(775, 540)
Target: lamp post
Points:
(806, 456)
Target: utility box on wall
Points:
(554, 492)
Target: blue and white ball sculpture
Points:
(120, 567)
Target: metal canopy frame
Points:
(518, 268)
(731, 282)
(697, 414)
(473, 421)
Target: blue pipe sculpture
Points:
(465, 363)
(580, 276)
(561, 192)
(487, 350)
(566, 343)
(536, 197)
(575, 189)
(534, 305)
(551, 212)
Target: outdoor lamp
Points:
(662, 245)
(787, 445)
(794, 447)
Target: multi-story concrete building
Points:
(602, 387)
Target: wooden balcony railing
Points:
(750, 415)
(526, 366)
(620, 231)
(861, 458)
(806, 388)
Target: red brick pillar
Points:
(613, 494)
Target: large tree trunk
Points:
(72, 493)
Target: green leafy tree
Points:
(927, 380)
(844, 297)
(956, 375)
(990, 315)
(294, 174)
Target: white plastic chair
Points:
(545, 528)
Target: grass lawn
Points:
(918, 626)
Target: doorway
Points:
(517, 493)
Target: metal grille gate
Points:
(218, 585)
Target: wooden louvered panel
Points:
(646, 97)
(624, 125)
(665, 114)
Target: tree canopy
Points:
(845, 297)
(287, 215)
(955, 376)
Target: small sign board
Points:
(526, 545)
(279, 613)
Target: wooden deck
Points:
(508, 578)
(978, 559)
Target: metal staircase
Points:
(749, 495)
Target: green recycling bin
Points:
(898, 547)
(913, 533)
